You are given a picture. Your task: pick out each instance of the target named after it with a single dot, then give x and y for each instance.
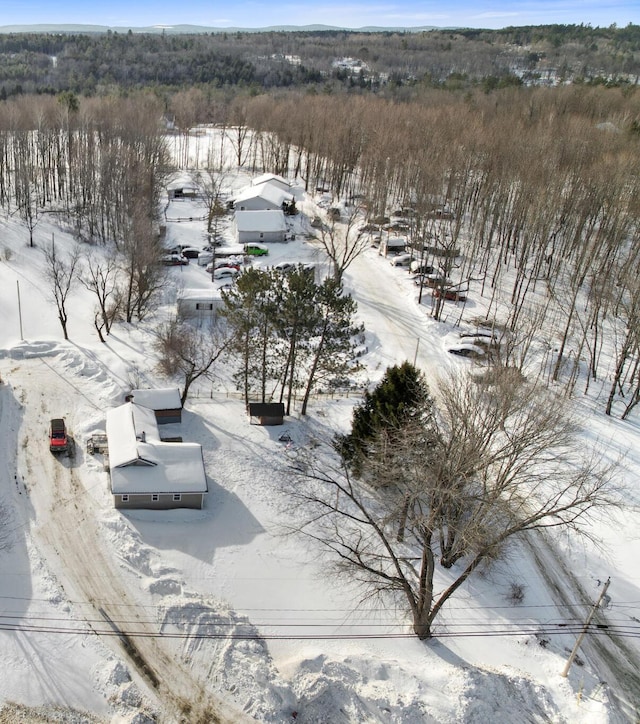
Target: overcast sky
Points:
(349, 14)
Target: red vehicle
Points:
(58, 440)
(453, 295)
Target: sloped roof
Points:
(159, 399)
(177, 468)
(271, 220)
(266, 191)
(209, 294)
(268, 178)
(141, 463)
(124, 425)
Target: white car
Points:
(225, 272)
(401, 260)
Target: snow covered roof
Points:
(270, 178)
(125, 424)
(209, 294)
(141, 463)
(267, 191)
(175, 468)
(261, 221)
(158, 399)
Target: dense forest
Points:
(391, 63)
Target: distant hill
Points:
(190, 29)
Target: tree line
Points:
(388, 62)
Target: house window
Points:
(204, 306)
(177, 497)
(261, 235)
(124, 498)
(155, 498)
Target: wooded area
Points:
(394, 64)
(535, 185)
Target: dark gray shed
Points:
(266, 413)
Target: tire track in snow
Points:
(77, 553)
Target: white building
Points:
(147, 472)
(263, 197)
(199, 303)
(274, 179)
(257, 226)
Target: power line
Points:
(561, 629)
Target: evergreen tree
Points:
(331, 346)
(250, 311)
(402, 396)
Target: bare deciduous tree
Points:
(343, 242)
(60, 272)
(497, 461)
(189, 352)
(100, 277)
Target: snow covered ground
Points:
(226, 616)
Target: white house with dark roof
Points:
(256, 226)
(147, 472)
(265, 196)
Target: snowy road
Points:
(397, 327)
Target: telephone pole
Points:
(585, 628)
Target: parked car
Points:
(289, 266)
(453, 295)
(58, 440)
(191, 252)
(223, 264)
(421, 267)
(400, 260)
(225, 272)
(174, 260)
(472, 351)
(431, 280)
(256, 249)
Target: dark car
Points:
(419, 267)
(191, 252)
(58, 441)
(471, 351)
(174, 260)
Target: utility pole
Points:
(585, 628)
(19, 310)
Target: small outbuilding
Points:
(266, 413)
(164, 402)
(181, 191)
(199, 303)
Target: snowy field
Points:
(228, 618)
